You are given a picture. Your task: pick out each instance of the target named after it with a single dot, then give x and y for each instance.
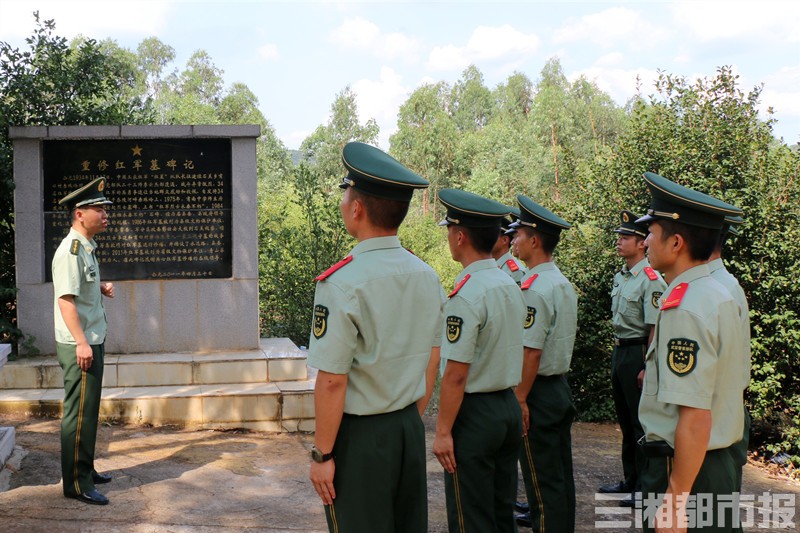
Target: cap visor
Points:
(645, 219)
(444, 222)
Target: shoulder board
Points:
(334, 268)
(675, 297)
(512, 265)
(528, 282)
(458, 287)
(651, 273)
(75, 246)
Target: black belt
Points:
(635, 341)
(658, 448)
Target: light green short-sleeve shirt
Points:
(695, 361)
(482, 328)
(721, 274)
(376, 320)
(634, 300)
(77, 273)
(551, 318)
(508, 264)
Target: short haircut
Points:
(549, 241)
(508, 236)
(700, 241)
(382, 212)
(482, 239)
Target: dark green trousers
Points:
(79, 419)
(739, 450)
(626, 363)
(546, 456)
(716, 481)
(486, 436)
(380, 477)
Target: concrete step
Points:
(281, 406)
(276, 360)
(269, 389)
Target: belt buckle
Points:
(616, 341)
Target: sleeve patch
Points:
(320, 321)
(530, 318)
(75, 246)
(454, 324)
(655, 297)
(682, 356)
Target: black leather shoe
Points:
(99, 478)
(524, 520)
(91, 497)
(614, 488)
(521, 507)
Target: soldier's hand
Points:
(322, 478)
(444, 451)
(85, 356)
(640, 379)
(526, 417)
(107, 289)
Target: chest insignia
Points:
(651, 273)
(675, 297)
(528, 282)
(458, 288)
(682, 356)
(334, 268)
(75, 246)
(512, 265)
(454, 324)
(320, 321)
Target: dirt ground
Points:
(177, 480)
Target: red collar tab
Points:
(651, 273)
(512, 265)
(334, 268)
(675, 297)
(528, 282)
(458, 287)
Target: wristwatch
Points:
(319, 457)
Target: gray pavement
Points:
(169, 479)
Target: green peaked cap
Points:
(539, 218)
(471, 210)
(374, 172)
(628, 225)
(675, 202)
(732, 224)
(93, 193)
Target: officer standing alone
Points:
(80, 329)
(376, 324)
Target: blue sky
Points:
(296, 56)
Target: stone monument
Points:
(181, 246)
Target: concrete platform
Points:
(270, 389)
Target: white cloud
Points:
(361, 34)
(609, 27)
(610, 60)
(268, 52)
(381, 99)
(782, 93)
(619, 83)
(503, 43)
(713, 20)
(92, 18)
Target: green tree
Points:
(53, 83)
(153, 56)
